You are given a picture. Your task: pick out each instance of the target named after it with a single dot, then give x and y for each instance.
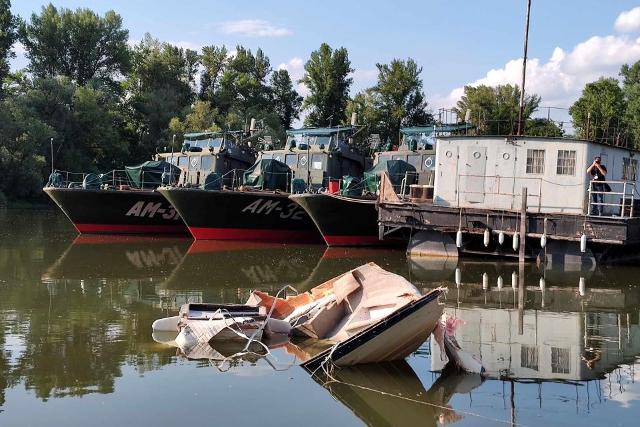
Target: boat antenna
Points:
(524, 71)
(173, 143)
(51, 141)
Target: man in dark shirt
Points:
(598, 172)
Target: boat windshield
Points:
(206, 143)
(314, 140)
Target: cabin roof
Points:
(413, 130)
(557, 139)
(320, 131)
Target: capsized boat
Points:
(368, 313)
(203, 323)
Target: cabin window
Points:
(629, 169)
(207, 162)
(182, 161)
(317, 161)
(266, 156)
(535, 161)
(291, 160)
(399, 158)
(566, 162)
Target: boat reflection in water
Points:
(391, 394)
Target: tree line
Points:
(106, 103)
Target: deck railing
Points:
(626, 191)
(117, 178)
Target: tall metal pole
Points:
(51, 155)
(524, 71)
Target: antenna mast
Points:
(524, 71)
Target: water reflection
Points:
(75, 316)
(391, 394)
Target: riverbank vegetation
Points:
(94, 101)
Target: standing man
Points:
(598, 172)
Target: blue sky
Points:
(457, 42)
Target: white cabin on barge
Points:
(490, 172)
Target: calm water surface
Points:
(76, 346)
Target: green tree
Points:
(597, 113)
(8, 36)
(214, 61)
(494, 109)
(631, 90)
(542, 127)
(160, 87)
(78, 44)
(327, 78)
(286, 101)
(399, 98)
(243, 91)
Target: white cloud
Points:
(20, 59)
(295, 67)
(560, 79)
(628, 21)
(254, 28)
(186, 45)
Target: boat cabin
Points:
(490, 173)
(317, 155)
(207, 153)
(418, 148)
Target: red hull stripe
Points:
(251, 234)
(131, 229)
(353, 240)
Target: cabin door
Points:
(504, 181)
(474, 175)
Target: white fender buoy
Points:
(458, 277)
(582, 287)
(485, 281)
(501, 237)
(543, 283)
(543, 241)
(459, 238)
(583, 243)
(487, 237)
(516, 241)
(500, 283)
(514, 280)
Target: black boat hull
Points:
(242, 215)
(118, 211)
(342, 221)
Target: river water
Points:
(76, 347)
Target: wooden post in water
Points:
(523, 224)
(523, 235)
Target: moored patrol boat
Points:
(126, 201)
(349, 217)
(257, 206)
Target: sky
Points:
(457, 42)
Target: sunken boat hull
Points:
(97, 211)
(242, 215)
(342, 221)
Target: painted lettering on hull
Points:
(266, 207)
(151, 209)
